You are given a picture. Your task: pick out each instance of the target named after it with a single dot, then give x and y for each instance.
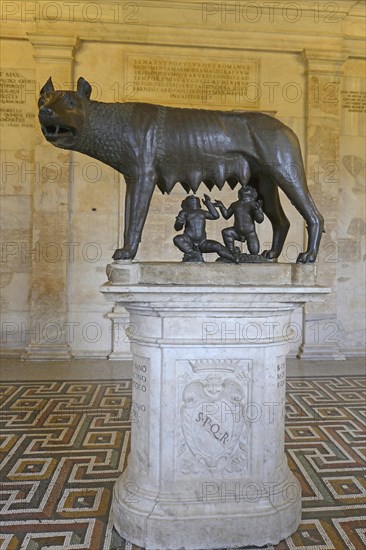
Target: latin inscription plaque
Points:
(354, 101)
(179, 80)
(17, 97)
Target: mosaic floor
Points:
(63, 445)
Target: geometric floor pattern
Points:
(63, 445)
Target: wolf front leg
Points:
(138, 197)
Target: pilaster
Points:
(54, 56)
(122, 329)
(323, 78)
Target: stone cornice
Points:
(104, 10)
(156, 23)
(194, 14)
(321, 62)
(53, 48)
(182, 37)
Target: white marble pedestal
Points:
(207, 467)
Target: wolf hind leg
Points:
(296, 189)
(274, 211)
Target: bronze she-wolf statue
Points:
(152, 145)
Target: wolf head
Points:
(62, 113)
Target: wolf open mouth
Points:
(54, 131)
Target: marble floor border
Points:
(65, 442)
(91, 369)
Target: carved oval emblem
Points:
(212, 420)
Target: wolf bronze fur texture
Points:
(152, 145)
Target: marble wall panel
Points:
(83, 200)
(91, 248)
(17, 171)
(89, 333)
(17, 78)
(351, 213)
(92, 243)
(94, 187)
(15, 268)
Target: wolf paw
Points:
(306, 257)
(125, 253)
(270, 255)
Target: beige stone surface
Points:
(351, 212)
(304, 65)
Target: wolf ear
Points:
(47, 88)
(84, 88)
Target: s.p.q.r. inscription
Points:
(213, 427)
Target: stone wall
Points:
(62, 213)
